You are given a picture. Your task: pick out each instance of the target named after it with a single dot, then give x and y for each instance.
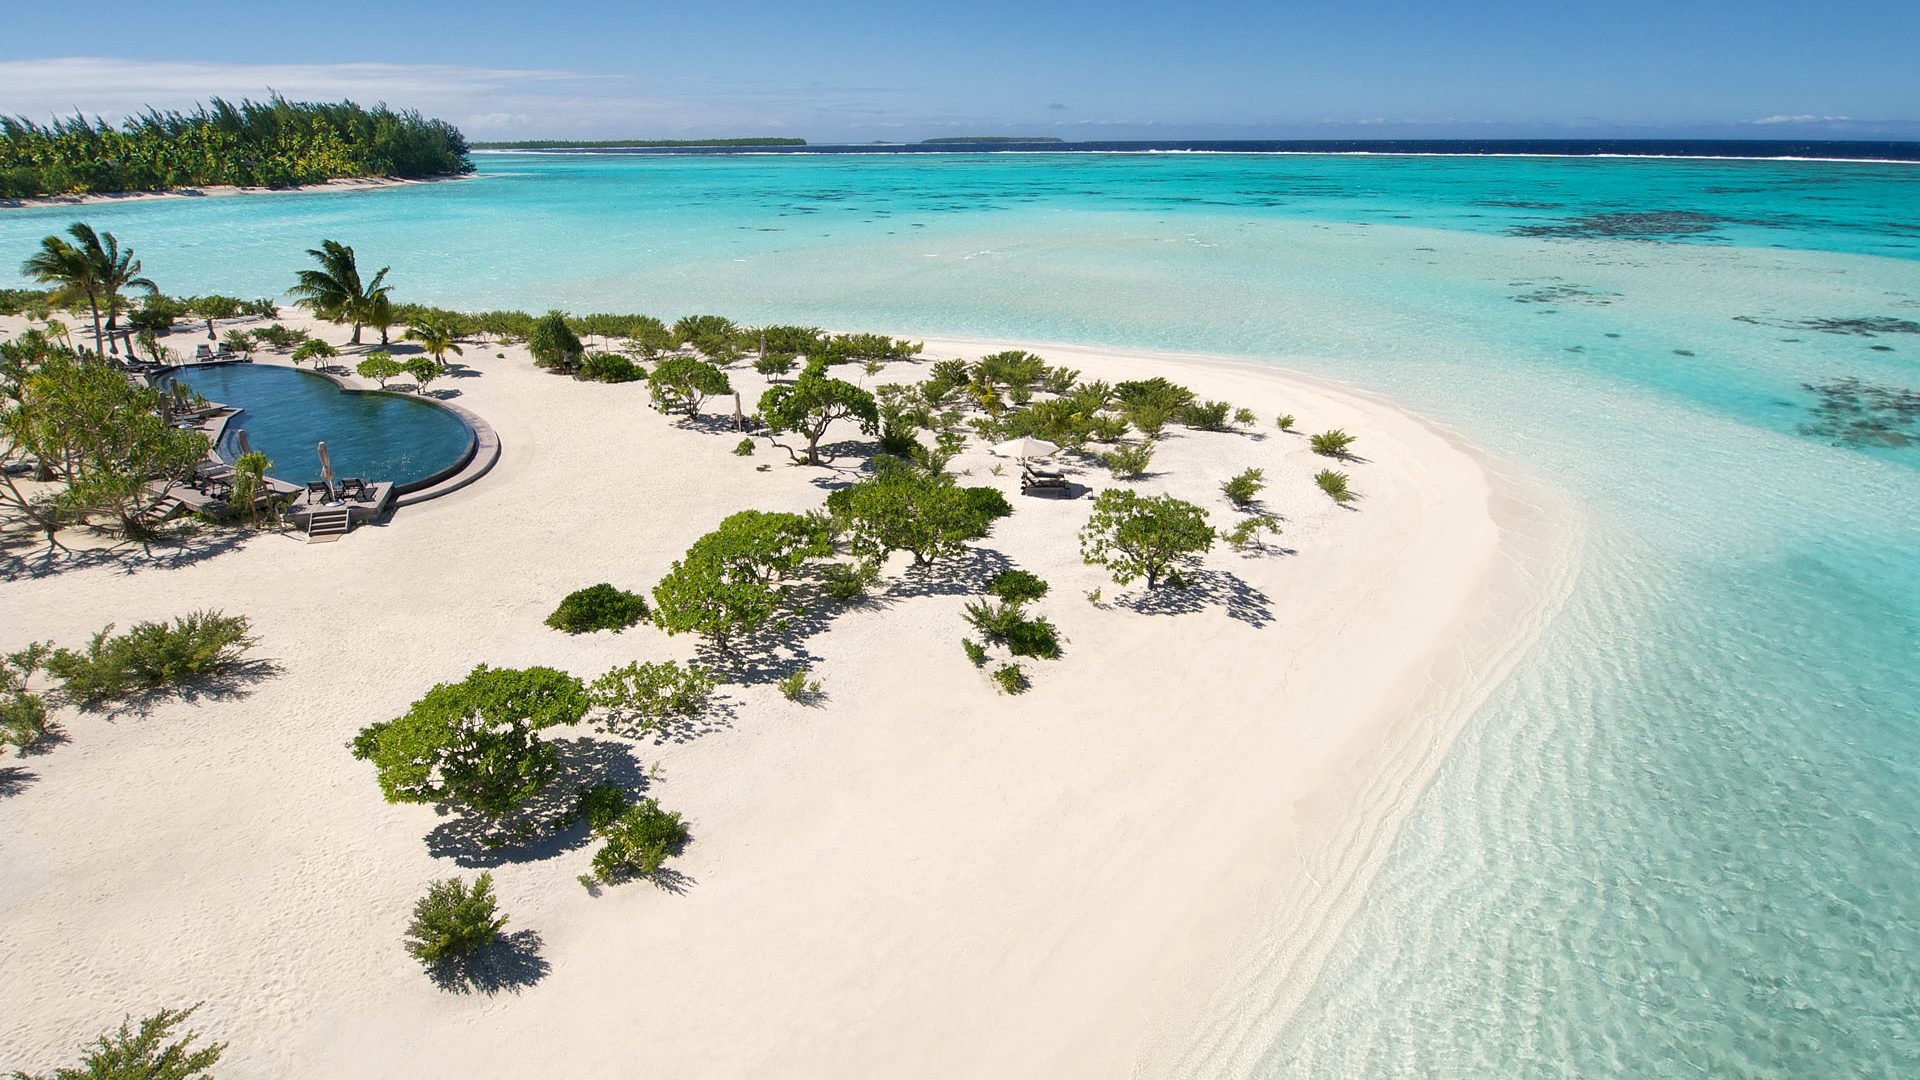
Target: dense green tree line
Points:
(272, 143)
(617, 144)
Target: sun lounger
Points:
(1032, 481)
(201, 352)
(354, 488)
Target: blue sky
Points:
(832, 71)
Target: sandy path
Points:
(920, 878)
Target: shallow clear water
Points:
(287, 414)
(1683, 839)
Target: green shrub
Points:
(279, 336)
(1011, 678)
(600, 805)
(148, 1054)
(1006, 624)
(654, 691)
(152, 656)
(1244, 418)
(379, 367)
(639, 842)
(795, 686)
(1243, 489)
(553, 344)
(848, 582)
(774, 364)
(1016, 586)
(976, 652)
(743, 448)
(237, 340)
(1208, 416)
(607, 367)
(23, 720)
(1284, 422)
(454, 920)
(598, 607)
(1332, 443)
(682, 384)
(1334, 484)
(1247, 533)
(1129, 462)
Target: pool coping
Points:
(483, 449)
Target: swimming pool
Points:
(286, 413)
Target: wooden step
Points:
(330, 523)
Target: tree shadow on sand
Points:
(511, 963)
(1204, 589)
(718, 715)
(546, 825)
(25, 554)
(14, 780)
(235, 682)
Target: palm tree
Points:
(334, 291)
(114, 271)
(66, 267)
(95, 268)
(435, 336)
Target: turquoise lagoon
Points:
(1683, 838)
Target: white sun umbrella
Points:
(326, 468)
(1025, 447)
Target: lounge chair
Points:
(318, 491)
(354, 488)
(1035, 481)
(202, 352)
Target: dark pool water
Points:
(286, 413)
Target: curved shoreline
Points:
(208, 191)
(1132, 866)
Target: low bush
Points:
(1011, 678)
(1023, 635)
(598, 607)
(279, 336)
(1243, 489)
(1333, 443)
(607, 367)
(379, 367)
(1016, 586)
(639, 842)
(1208, 416)
(23, 720)
(1334, 484)
(151, 1053)
(849, 582)
(1247, 533)
(976, 652)
(1284, 422)
(152, 656)
(654, 691)
(238, 340)
(600, 805)
(743, 448)
(1129, 462)
(454, 920)
(1244, 418)
(795, 686)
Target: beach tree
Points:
(811, 403)
(436, 335)
(381, 314)
(554, 345)
(682, 384)
(334, 291)
(909, 509)
(424, 370)
(715, 336)
(379, 367)
(729, 582)
(149, 1052)
(63, 266)
(638, 842)
(99, 436)
(315, 350)
(475, 743)
(1135, 536)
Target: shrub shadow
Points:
(14, 780)
(232, 683)
(717, 716)
(25, 555)
(545, 826)
(1205, 588)
(511, 962)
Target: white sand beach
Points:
(1117, 873)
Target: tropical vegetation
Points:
(1136, 536)
(273, 143)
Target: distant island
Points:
(951, 139)
(616, 144)
(275, 143)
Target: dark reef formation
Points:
(1863, 414)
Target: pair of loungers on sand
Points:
(1047, 480)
